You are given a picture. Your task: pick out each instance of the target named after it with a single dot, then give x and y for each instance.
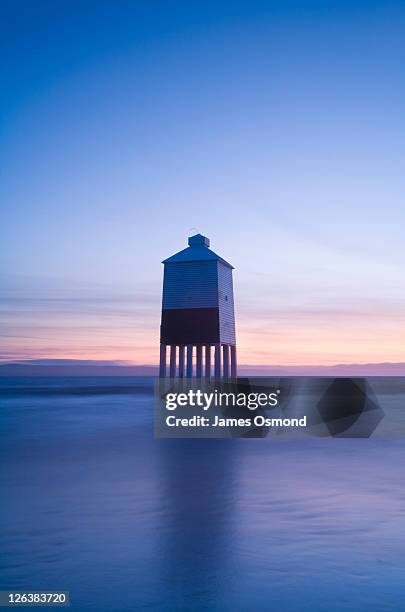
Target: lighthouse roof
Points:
(198, 250)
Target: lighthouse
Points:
(197, 332)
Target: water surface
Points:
(93, 504)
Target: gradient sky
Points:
(274, 128)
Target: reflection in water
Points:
(198, 481)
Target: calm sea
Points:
(91, 503)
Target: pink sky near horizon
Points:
(79, 323)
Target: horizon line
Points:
(96, 367)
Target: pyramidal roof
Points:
(198, 250)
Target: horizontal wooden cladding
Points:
(190, 326)
(225, 303)
(190, 285)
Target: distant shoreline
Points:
(78, 368)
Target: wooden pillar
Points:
(173, 361)
(226, 361)
(199, 361)
(218, 361)
(233, 362)
(208, 361)
(181, 361)
(189, 372)
(162, 365)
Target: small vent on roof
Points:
(199, 240)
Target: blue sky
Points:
(275, 128)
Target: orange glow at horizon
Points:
(318, 340)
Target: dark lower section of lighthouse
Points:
(190, 326)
